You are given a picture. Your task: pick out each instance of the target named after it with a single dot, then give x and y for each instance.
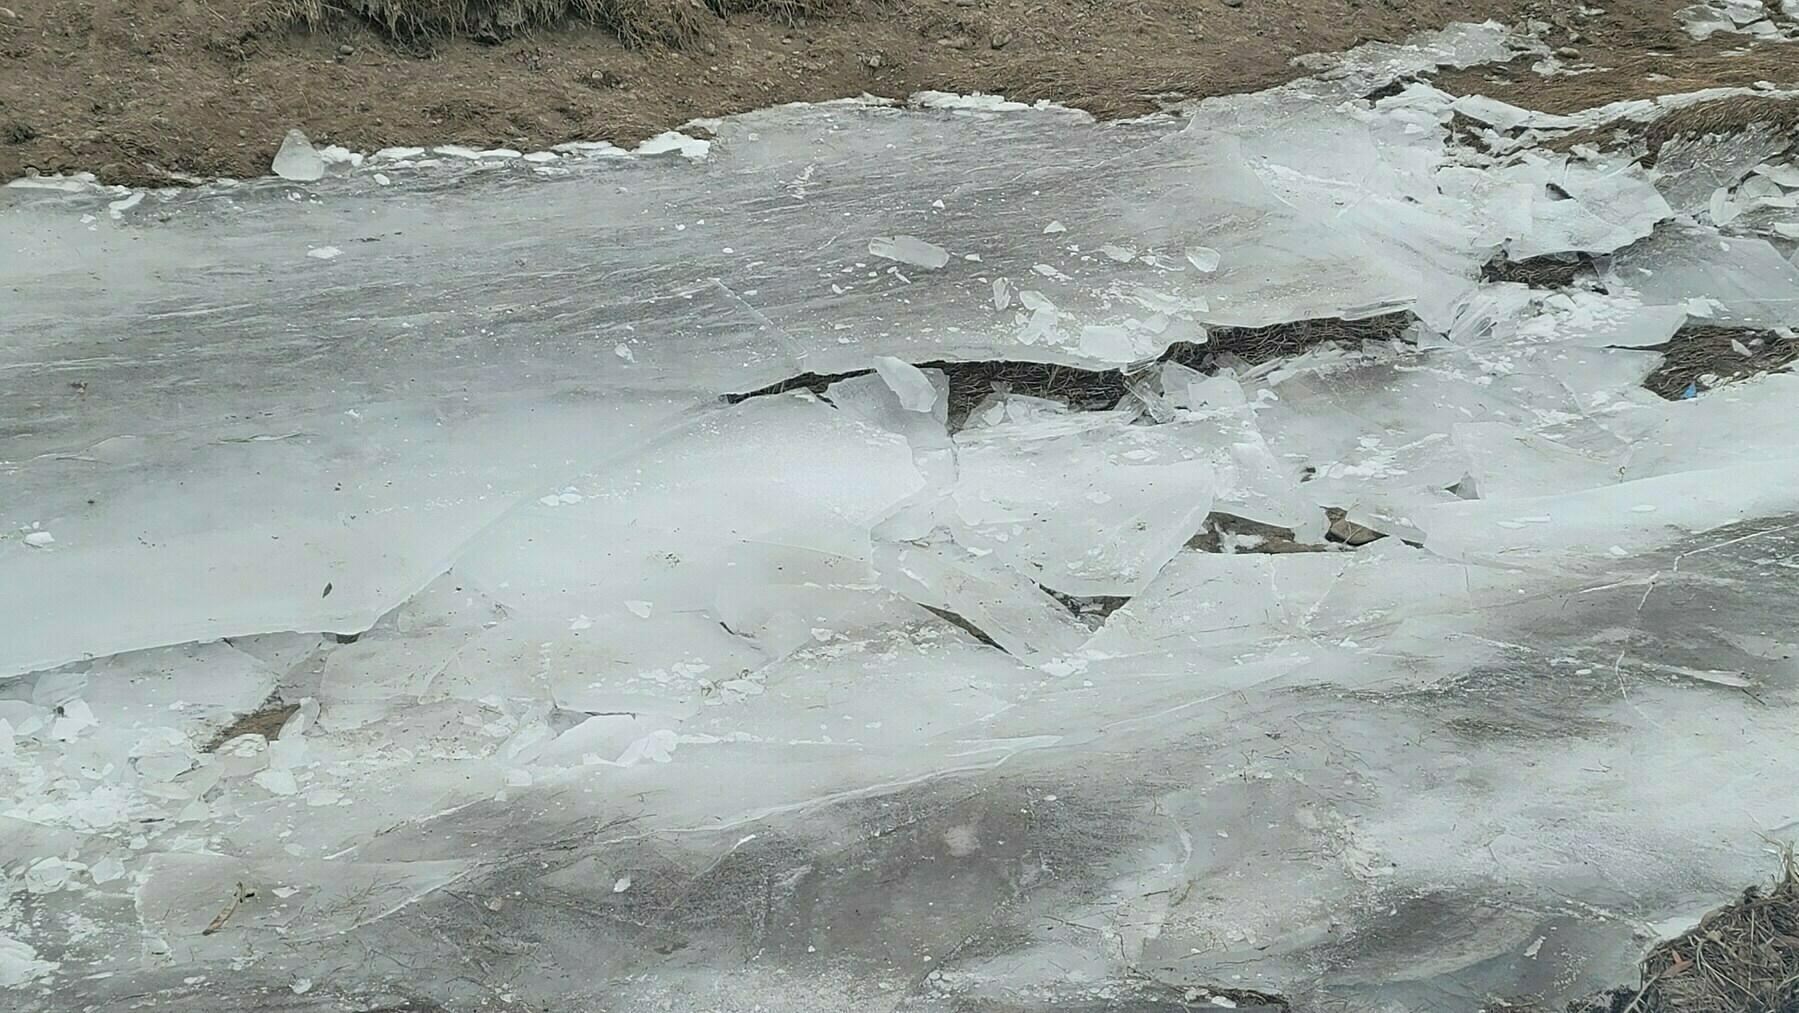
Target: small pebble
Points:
(1000, 40)
(1568, 52)
(346, 50)
(1233, 3)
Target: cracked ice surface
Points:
(601, 692)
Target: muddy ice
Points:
(433, 625)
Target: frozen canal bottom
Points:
(1134, 567)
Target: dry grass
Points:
(1724, 116)
(1547, 271)
(1741, 958)
(1721, 117)
(1256, 345)
(1702, 350)
(970, 383)
(637, 23)
(265, 721)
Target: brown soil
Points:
(265, 721)
(138, 89)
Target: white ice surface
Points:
(600, 681)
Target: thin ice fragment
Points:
(1204, 258)
(909, 250)
(914, 389)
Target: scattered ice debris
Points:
(624, 352)
(39, 539)
(297, 160)
(622, 884)
(381, 179)
(640, 609)
(1750, 17)
(674, 143)
(324, 253)
(1054, 227)
(337, 154)
(909, 250)
(116, 209)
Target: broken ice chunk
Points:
(19, 963)
(914, 389)
(1785, 175)
(909, 250)
(1004, 607)
(1204, 258)
(297, 159)
(1723, 209)
(1746, 281)
(39, 539)
(1054, 227)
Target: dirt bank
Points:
(139, 89)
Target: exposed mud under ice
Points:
(1246, 558)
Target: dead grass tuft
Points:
(1741, 958)
(637, 23)
(265, 721)
(1703, 356)
(1256, 345)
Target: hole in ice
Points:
(972, 382)
(265, 721)
(1551, 270)
(957, 620)
(1090, 609)
(1390, 89)
(1348, 532)
(1703, 356)
(1229, 533)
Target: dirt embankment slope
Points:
(136, 89)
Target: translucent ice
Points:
(909, 250)
(297, 160)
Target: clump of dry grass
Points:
(1256, 345)
(1700, 350)
(1741, 958)
(1547, 271)
(637, 23)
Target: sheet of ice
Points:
(1745, 281)
(645, 682)
(336, 372)
(1086, 505)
